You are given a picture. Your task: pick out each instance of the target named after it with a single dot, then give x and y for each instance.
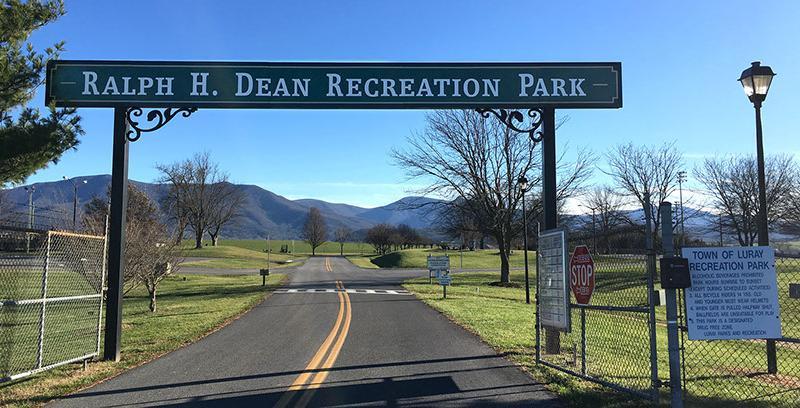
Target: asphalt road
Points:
(337, 335)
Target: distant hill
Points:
(264, 211)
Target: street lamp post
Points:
(523, 185)
(74, 202)
(681, 180)
(756, 81)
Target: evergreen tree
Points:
(29, 140)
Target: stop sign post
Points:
(581, 275)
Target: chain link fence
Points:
(612, 341)
(620, 340)
(716, 372)
(51, 288)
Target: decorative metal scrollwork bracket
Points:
(517, 122)
(156, 119)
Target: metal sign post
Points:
(673, 345)
(440, 265)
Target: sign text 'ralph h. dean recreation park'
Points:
(333, 85)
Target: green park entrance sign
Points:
(333, 85)
(168, 89)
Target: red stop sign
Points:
(581, 275)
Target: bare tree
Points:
(342, 235)
(648, 173)
(475, 164)
(227, 205)
(732, 184)
(379, 236)
(150, 253)
(457, 224)
(201, 196)
(171, 203)
(608, 214)
(314, 230)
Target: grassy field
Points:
(719, 373)
(362, 261)
(234, 257)
(300, 247)
(417, 259)
(188, 308)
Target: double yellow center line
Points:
(305, 385)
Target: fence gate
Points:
(718, 372)
(51, 295)
(612, 341)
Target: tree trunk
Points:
(181, 231)
(152, 299)
(198, 240)
(505, 275)
(313, 250)
(214, 239)
(341, 248)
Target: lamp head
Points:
(756, 81)
(523, 182)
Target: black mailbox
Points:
(794, 290)
(675, 273)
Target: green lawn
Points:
(617, 343)
(233, 257)
(362, 261)
(188, 308)
(417, 258)
(300, 247)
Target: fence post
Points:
(583, 340)
(676, 393)
(40, 351)
(103, 271)
(651, 301)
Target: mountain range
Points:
(264, 212)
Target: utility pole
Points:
(30, 190)
(74, 202)
(681, 180)
(594, 229)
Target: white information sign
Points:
(444, 277)
(553, 286)
(734, 294)
(438, 263)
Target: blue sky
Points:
(680, 64)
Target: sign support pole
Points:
(552, 337)
(676, 393)
(116, 239)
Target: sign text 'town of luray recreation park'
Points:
(734, 293)
(333, 85)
